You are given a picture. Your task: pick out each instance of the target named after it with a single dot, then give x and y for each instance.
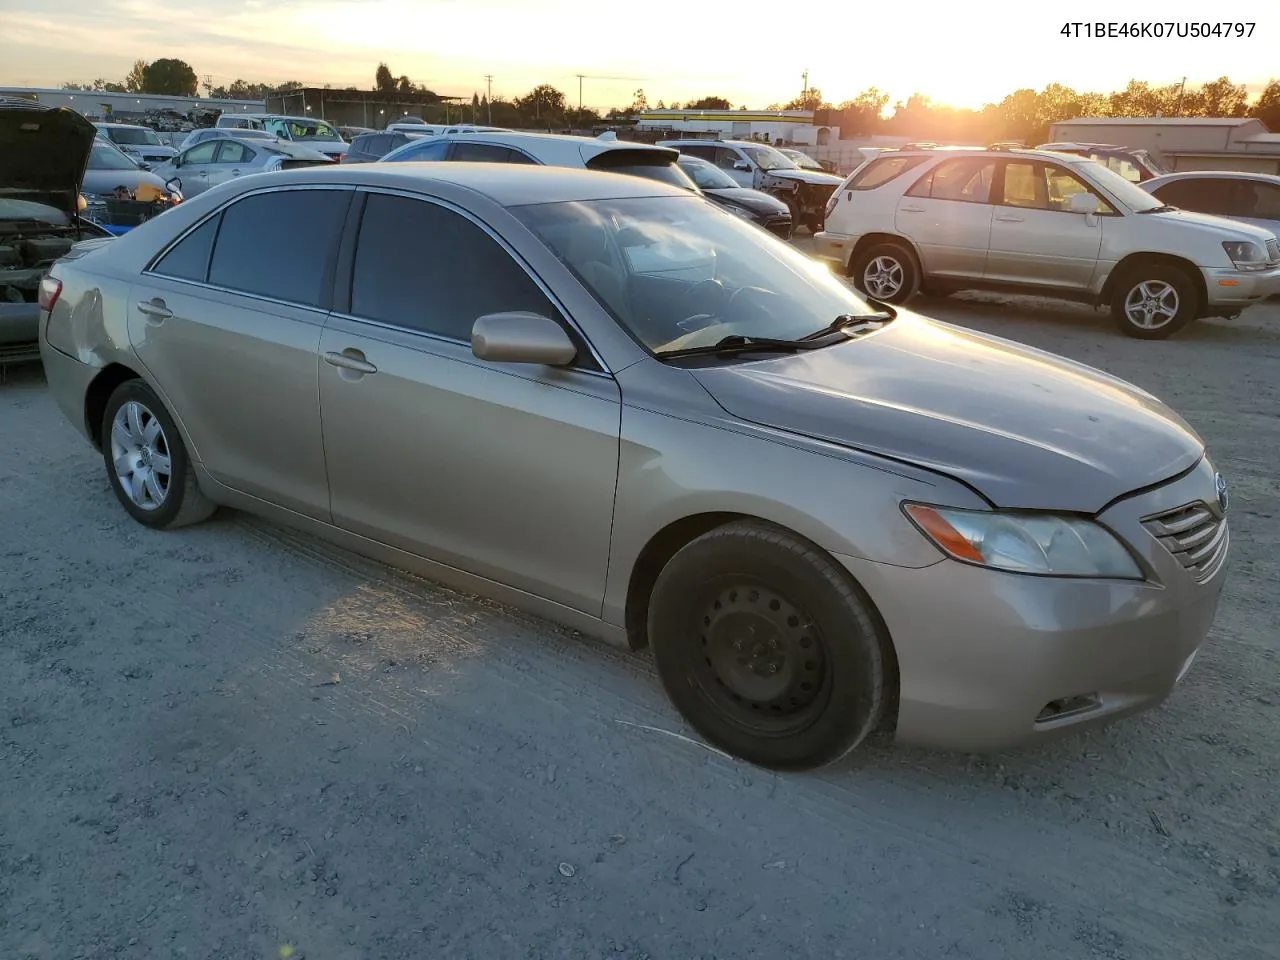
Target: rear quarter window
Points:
(881, 170)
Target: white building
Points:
(1183, 143)
(787, 126)
(97, 105)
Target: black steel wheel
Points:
(767, 647)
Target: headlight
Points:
(1036, 543)
(1245, 254)
(737, 211)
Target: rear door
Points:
(506, 471)
(233, 159)
(947, 215)
(1035, 239)
(227, 323)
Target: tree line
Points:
(1024, 114)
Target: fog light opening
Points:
(1068, 707)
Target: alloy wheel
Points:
(883, 277)
(140, 455)
(1152, 304)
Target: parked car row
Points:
(1047, 223)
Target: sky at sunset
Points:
(750, 52)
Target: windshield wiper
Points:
(847, 320)
(737, 343)
(1163, 208)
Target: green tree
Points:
(709, 103)
(1218, 98)
(171, 77)
(811, 99)
(133, 81)
(1267, 107)
(639, 102)
(542, 102)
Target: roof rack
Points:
(1001, 145)
(919, 145)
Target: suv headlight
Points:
(1245, 254)
(1035, 543)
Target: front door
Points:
(506, 471)
(193, 172)
(1036, 240)
(947, 215)
(228, 328)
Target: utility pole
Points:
(488, 79)
(208, 84)
(805, 77)
(1181, 91)
(580, 77)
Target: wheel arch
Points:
(99, 392)
(668, 541)
(1138, 260)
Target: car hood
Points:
(1222, 227)
(43, 153)
(807, 176)
(100, 182)
(754, 200)
(1026, 428)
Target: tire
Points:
(1157, 294)
(809, 683)
(138, 436)
(896, 277)
(794, 206)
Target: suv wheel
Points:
(887, 272)
(1153, 302)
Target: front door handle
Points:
(913, 209)
(154, 310)
(350, 359)
(235, 173)
(1009, 219)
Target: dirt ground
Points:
(236, 742)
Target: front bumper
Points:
(990, 661)
(1236, 289)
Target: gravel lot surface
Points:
(233, 741)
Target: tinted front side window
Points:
(280, 244)
(421, 266)
(189, 259)
(203, 153)
(430, 150)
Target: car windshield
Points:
(1130, 194)
(134, 136)
(315, 130)
(767, 158)
(680, 273)
(802, 160)
(707, 175)
(105, 157)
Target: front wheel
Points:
(1152, 303)
(147, 465)
(887, 272)
(767, 648)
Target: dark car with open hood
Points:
(43, 152)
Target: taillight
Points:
(50, 288)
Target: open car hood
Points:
(43, 153)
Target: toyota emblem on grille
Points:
(1221, 486)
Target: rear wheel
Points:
(886, 271)
(147, 465)
(1153, 302)
(766, 647)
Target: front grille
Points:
(1273, 249)
(1196, 536)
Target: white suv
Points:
(1034, 221)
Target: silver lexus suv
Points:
(1052, 224)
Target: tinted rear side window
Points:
(881, 170)
(421, 266)
(641, 163)
(480, 153)
(426, 150)
(280, 244)
(189, 260)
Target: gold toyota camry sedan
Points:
(602, 399)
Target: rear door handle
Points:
(1009, 219)
(913, 209)
(350, 359)
(154, 310)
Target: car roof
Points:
(553, 148)
(511, 185)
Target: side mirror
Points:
(520, 337)
(1085, 203)
(742, 165)
(173, 183)
(143, 165)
